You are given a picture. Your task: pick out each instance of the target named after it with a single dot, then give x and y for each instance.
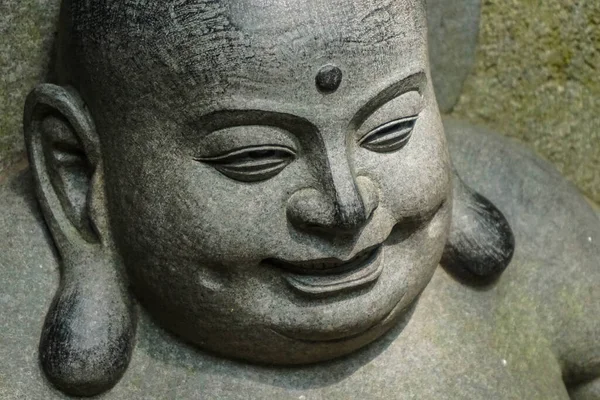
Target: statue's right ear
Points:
(89, 331)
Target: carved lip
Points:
(343, 338)
(329, 276)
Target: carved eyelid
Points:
(240, 165)
(387, 126)
(232, 155)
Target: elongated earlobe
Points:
(89, 331)
(481, 242)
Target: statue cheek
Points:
(416, 179)
(416, 188)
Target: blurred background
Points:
(529, 69)
(537, 78)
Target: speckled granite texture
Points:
(536, 78)
(475, 345)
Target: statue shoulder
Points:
(557, 235)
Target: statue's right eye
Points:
(252, 164)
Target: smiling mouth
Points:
(330, 276)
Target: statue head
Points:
(270, 178)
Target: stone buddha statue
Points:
(272, 183)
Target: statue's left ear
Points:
(481, 242)
(88, 334)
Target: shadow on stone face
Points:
(155, 343)
(167, 349)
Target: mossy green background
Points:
(26, 33)
(537, 77)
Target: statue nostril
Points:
(312, 210)
(369, 194)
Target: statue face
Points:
(282, 192)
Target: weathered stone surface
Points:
(461, 342)
(453, 33)
(536, 74)
(30, 28)
(537, 79)
(281, 193)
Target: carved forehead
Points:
(241, 14)
(209, 43)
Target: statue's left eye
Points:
(252, 164)
(389, 137)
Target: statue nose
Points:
(342, 211)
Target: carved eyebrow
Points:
(414, 82)
(224, 119)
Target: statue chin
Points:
(282, 345)
(294, 326)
